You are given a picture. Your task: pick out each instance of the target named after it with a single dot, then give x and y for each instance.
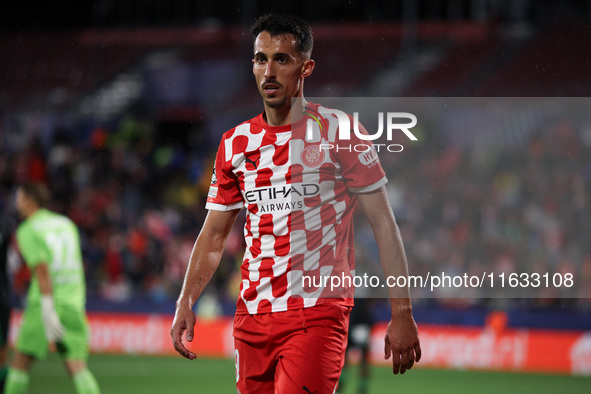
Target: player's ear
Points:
(308, 67)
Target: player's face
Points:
(279, 69)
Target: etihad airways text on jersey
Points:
(293, 191)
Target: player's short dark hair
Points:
(37, 191)
(277, 24)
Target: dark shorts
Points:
(291, 352)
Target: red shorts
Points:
(301, 351)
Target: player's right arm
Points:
(203, 262)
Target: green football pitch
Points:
(161, 375)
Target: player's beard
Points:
(276, 103)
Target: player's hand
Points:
(402, 343)
(54, 330)
(184, 321)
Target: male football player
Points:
(299, 202)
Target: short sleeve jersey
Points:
(47, 237)
(299, 198)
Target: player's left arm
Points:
(402, 338)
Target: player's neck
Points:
(31, 211)
(288, 114)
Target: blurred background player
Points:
(55, 310)
(6, 227)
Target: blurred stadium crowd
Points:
(518, 207)
(135, 180)
(138, 206)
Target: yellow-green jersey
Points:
(53, 239)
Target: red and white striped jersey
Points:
(299, 196)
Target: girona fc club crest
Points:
(312, 156)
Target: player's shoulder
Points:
(252, 126)
(63, 219)
(46, 219)
(328, 111)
